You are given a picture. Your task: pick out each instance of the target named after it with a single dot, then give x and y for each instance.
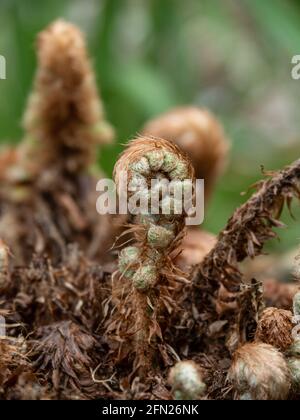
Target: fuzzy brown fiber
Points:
(275, 328)
(260, 372)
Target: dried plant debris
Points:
(293, 360)
(44, 293)
(63, 354)
(88, 331)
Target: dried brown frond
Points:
(200, 135)
(62, 352)
(244, 236)
(275, 328)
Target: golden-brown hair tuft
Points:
(260, 372)
(275, 328)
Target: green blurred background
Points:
(232, 56)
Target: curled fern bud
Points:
(149, 156)
(275, 328)
(186, 381)
(145, 277)
(128, 259)
(156, 159)
(154, 163)
(261, 372)
(159, 237)
(199, 134)
(148, 159)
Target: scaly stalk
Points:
(147, 265)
